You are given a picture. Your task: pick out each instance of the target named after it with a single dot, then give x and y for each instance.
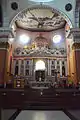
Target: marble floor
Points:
(42, 115)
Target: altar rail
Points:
(22, 81)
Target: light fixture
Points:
(40, 0)
(40, 65)
(24, 39)
(11, 39)
(57, 39)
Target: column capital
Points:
(5, 32)
(76, 46)
(74, 31)
(4, 45)
(75, 35)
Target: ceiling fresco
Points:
(40, 19)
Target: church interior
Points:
(39, 50)
(40, 54)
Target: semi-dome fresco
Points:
(40, 18)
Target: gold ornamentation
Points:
(4, 45)
(76, 46)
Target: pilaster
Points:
(75, 55)
(4, 54)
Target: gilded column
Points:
(5, 55)
(75, 54)
(4, 68)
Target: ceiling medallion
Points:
(14, 5)
(68, 7)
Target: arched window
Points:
(40, 65)
(0, 16)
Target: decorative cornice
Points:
(5, 32)
(74, 32)
(4, 45)
(29, 57)
(40, 53)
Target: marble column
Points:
(30, 68)
(60, 68)
(66, 68)
(24, 67)
(14, 64)
(19, 66)
(55, 64)
(33, 69)
(48, 67)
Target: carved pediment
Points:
(40, 53)
(43, 52)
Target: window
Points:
(27, 62)
(16, 67)
(16, 70)
(52, 62)
(62, 62)
(63, 70)
(57, 62)
(27, 72)
(52, 72)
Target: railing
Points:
(40, 85)
(22, 81)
